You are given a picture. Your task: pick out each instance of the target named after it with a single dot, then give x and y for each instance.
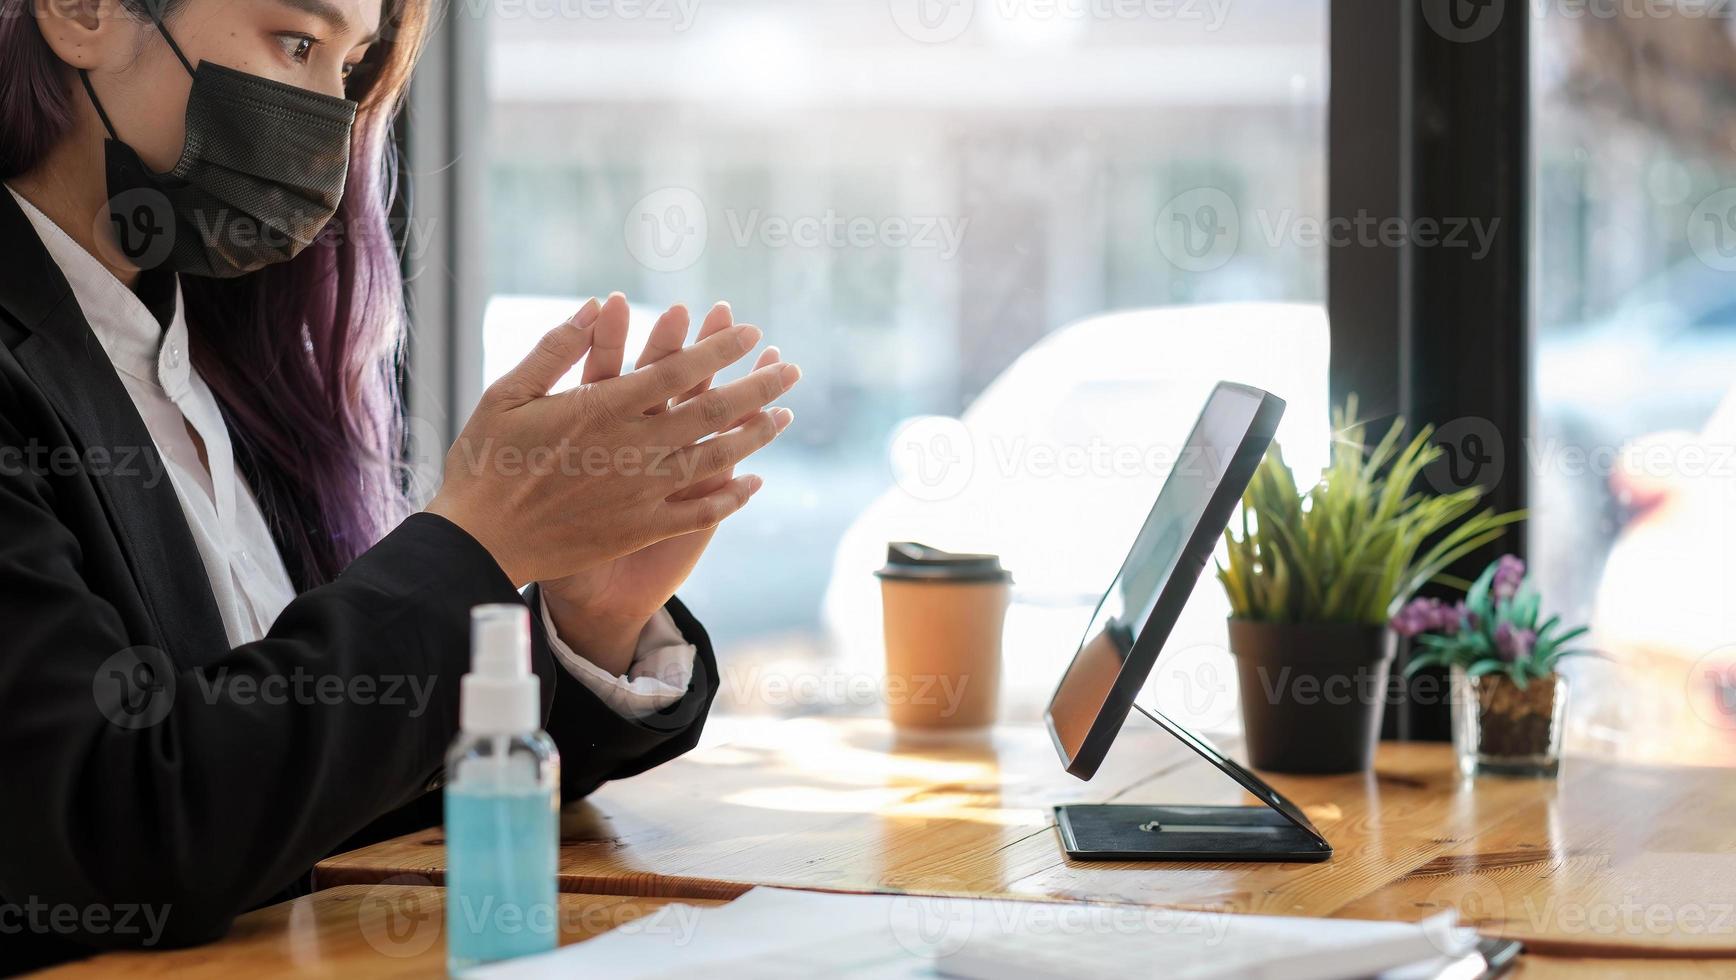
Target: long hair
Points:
(303, 356)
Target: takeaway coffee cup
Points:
(943, 615)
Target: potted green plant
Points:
(1509, 701)
(1313, 579)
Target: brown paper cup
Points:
(943, 620)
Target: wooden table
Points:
(1611, 860)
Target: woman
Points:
(229, 652)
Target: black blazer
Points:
(146, 786)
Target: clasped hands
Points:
(619, 484)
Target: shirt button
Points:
(174, 355)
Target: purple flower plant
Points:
(1509, 575)
(1513, 644)
(1428, 616)
(1493, 632)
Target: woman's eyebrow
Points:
(327, 12)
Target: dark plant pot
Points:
(1312, 693)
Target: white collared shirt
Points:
(247, 574)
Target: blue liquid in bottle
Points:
(500, 872)
(502, 804)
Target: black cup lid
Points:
(907, 560)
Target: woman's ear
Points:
(89, 34)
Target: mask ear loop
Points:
(84, 76)
(155, 9)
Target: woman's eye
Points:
(298, 47)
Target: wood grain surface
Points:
(1610, 860)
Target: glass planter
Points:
(1502, 730)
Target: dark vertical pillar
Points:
(1429, 300)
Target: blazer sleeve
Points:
(226, 781)
(596, 743)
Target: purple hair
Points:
(302, 356)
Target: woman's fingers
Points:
(720, 318)
(770, 356)
(715, 410)
(666, 338)
(766, 359)
(552, 357)
(687, 516)
(609, 345)
(714, 457)
(678, 372)
(703, 487)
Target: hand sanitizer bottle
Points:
(502, 802)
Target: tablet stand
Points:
(1277, 831)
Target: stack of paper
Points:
(775, 933)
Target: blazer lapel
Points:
(75, 374)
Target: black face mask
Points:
(260, 175)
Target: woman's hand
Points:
(601, 611)
(555, 484)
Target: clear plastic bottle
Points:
(502, 803)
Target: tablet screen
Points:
(1171, 549)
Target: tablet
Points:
(1137, 613)
(1127, 633)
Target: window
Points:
(909, 196)
(1634, 450)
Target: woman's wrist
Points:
(443, 506)
(608, 639)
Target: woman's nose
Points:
(332, 84)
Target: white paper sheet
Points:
(775, 933)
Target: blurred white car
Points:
(1054, 467)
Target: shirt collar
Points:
(129, 333)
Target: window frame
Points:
(443, 202)
(1427, 127)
